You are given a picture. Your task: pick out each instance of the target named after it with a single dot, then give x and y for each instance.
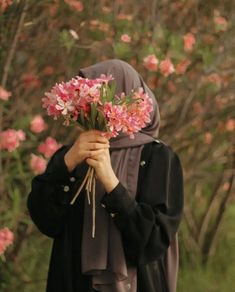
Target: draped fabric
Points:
(103, 256)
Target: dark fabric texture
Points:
(147, 223)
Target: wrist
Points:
(110, 183)
(69, 161)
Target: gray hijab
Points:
(103, 256)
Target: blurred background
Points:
(185, 51)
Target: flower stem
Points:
(83, 183)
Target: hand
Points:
(83, 147)
(100, 160)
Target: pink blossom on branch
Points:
(4, 4)
(6, 239)
(37, 164)
(10, 139)
(151, 62)
(221, 23)
(166, 67)
(230, 124)
(48, 70)
(30, 81)
(182, 66)
(49, 147)
(37, 125)
(4, 94)
(189, 42)
(125, 38)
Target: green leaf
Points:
(82, 117)
(113, 89)
(93, 114)
(101, 121)
(102, 93)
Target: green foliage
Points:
(66, 40)
(122, 51)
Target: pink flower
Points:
(4, 94)
(151, 62)
(30, 80)
(6, 239)
(10, 139)
(182, 66)
(64, 106)
(189, 41)
(128, 118)
(49, 147)
(48, 70)
(226, 186)
(208, 138)
(230, 124)
(4, 4)
(214, 78)
(2, 248)
(166, 67)
(125, 38)
(77, 5)
(37, 124)
(221, 23)
(37, 164)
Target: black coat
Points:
(147, 224)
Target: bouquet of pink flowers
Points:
(92, 104)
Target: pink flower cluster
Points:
(37, 125)
(221, 24)
(125, 38)
(6, 239)
(189, 41)
(166, 66)
(4, 94)
(49, 147)
(93, 104)
(131, 118)
(69, 98)
(10, 139)
(151, 62)
(4, 4)
(37, 162)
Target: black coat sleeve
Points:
(50, 195)
(148, 224)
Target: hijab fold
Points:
(103, 256)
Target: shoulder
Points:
(161, 149)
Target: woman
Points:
(139, 204)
